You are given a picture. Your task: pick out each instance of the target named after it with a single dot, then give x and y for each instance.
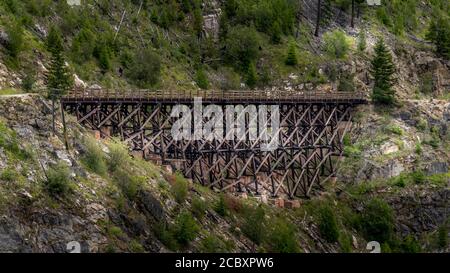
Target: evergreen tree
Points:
(201, 79)
(15, 40)
(276, 33)
(439, 34)
(382, 70)
(252, 76)
(198, 21)
(292, 55)
(362, 43)
(59, 79)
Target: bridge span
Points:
(310, 135)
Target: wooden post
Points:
(63, 117)
(53, 114)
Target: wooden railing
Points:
(210, 95)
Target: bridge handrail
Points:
(218, 95)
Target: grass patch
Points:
(94, 158)
(179, 188)
(58, 180)
(9, 175)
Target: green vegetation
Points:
(58, 180)
(59, 79)
(15, 42)
(213, 244)
(254, 224)
(145, 68)
(377, 221)
(118, 155)
(198, 208)
(443, 236)
(185, 229)
(8, 175)
(9, 142)
(362, 43)
(179, 188)
(220, 207)
(242, 45)
(382, 71)
(94, 157)
(280, 237)
(439, 34)
(328, 224)
(291, 58)
(336, 44)
(202, 79)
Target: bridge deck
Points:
(213, 96)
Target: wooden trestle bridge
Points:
(310, 135)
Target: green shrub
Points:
(15, 40)
(377, 221)
(336, 44)
(28, 81)
(419, 149)
(254, 224)
(291, 58)
(241, 47)
(346, 84)
(442, 240)
(165, 234)
(118, 155)
(185, 229)
(418, 177)
(328, 224)
(136, 247)
(410, 245)
(362, 43)
(198, 208)
(129, 184)
(201, 79)
(8, 175)
(422, 125)
(145, 68)
(58, 180)
(180, 188)
(396, 130)
(345, 241)
(94, 157)
(251, 77)
(212, 244)
(231, 80)
(282, 238)
(221, 207)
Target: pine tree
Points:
(439, 34)
(202, 79)
(276, 33)
(252, 76)
(292, 55)
(59, 80)
(15, 40)
(362, 43)
(382, 70)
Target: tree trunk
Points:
(353, 14)
(53, 115)
(63, 117)
(319, 11)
